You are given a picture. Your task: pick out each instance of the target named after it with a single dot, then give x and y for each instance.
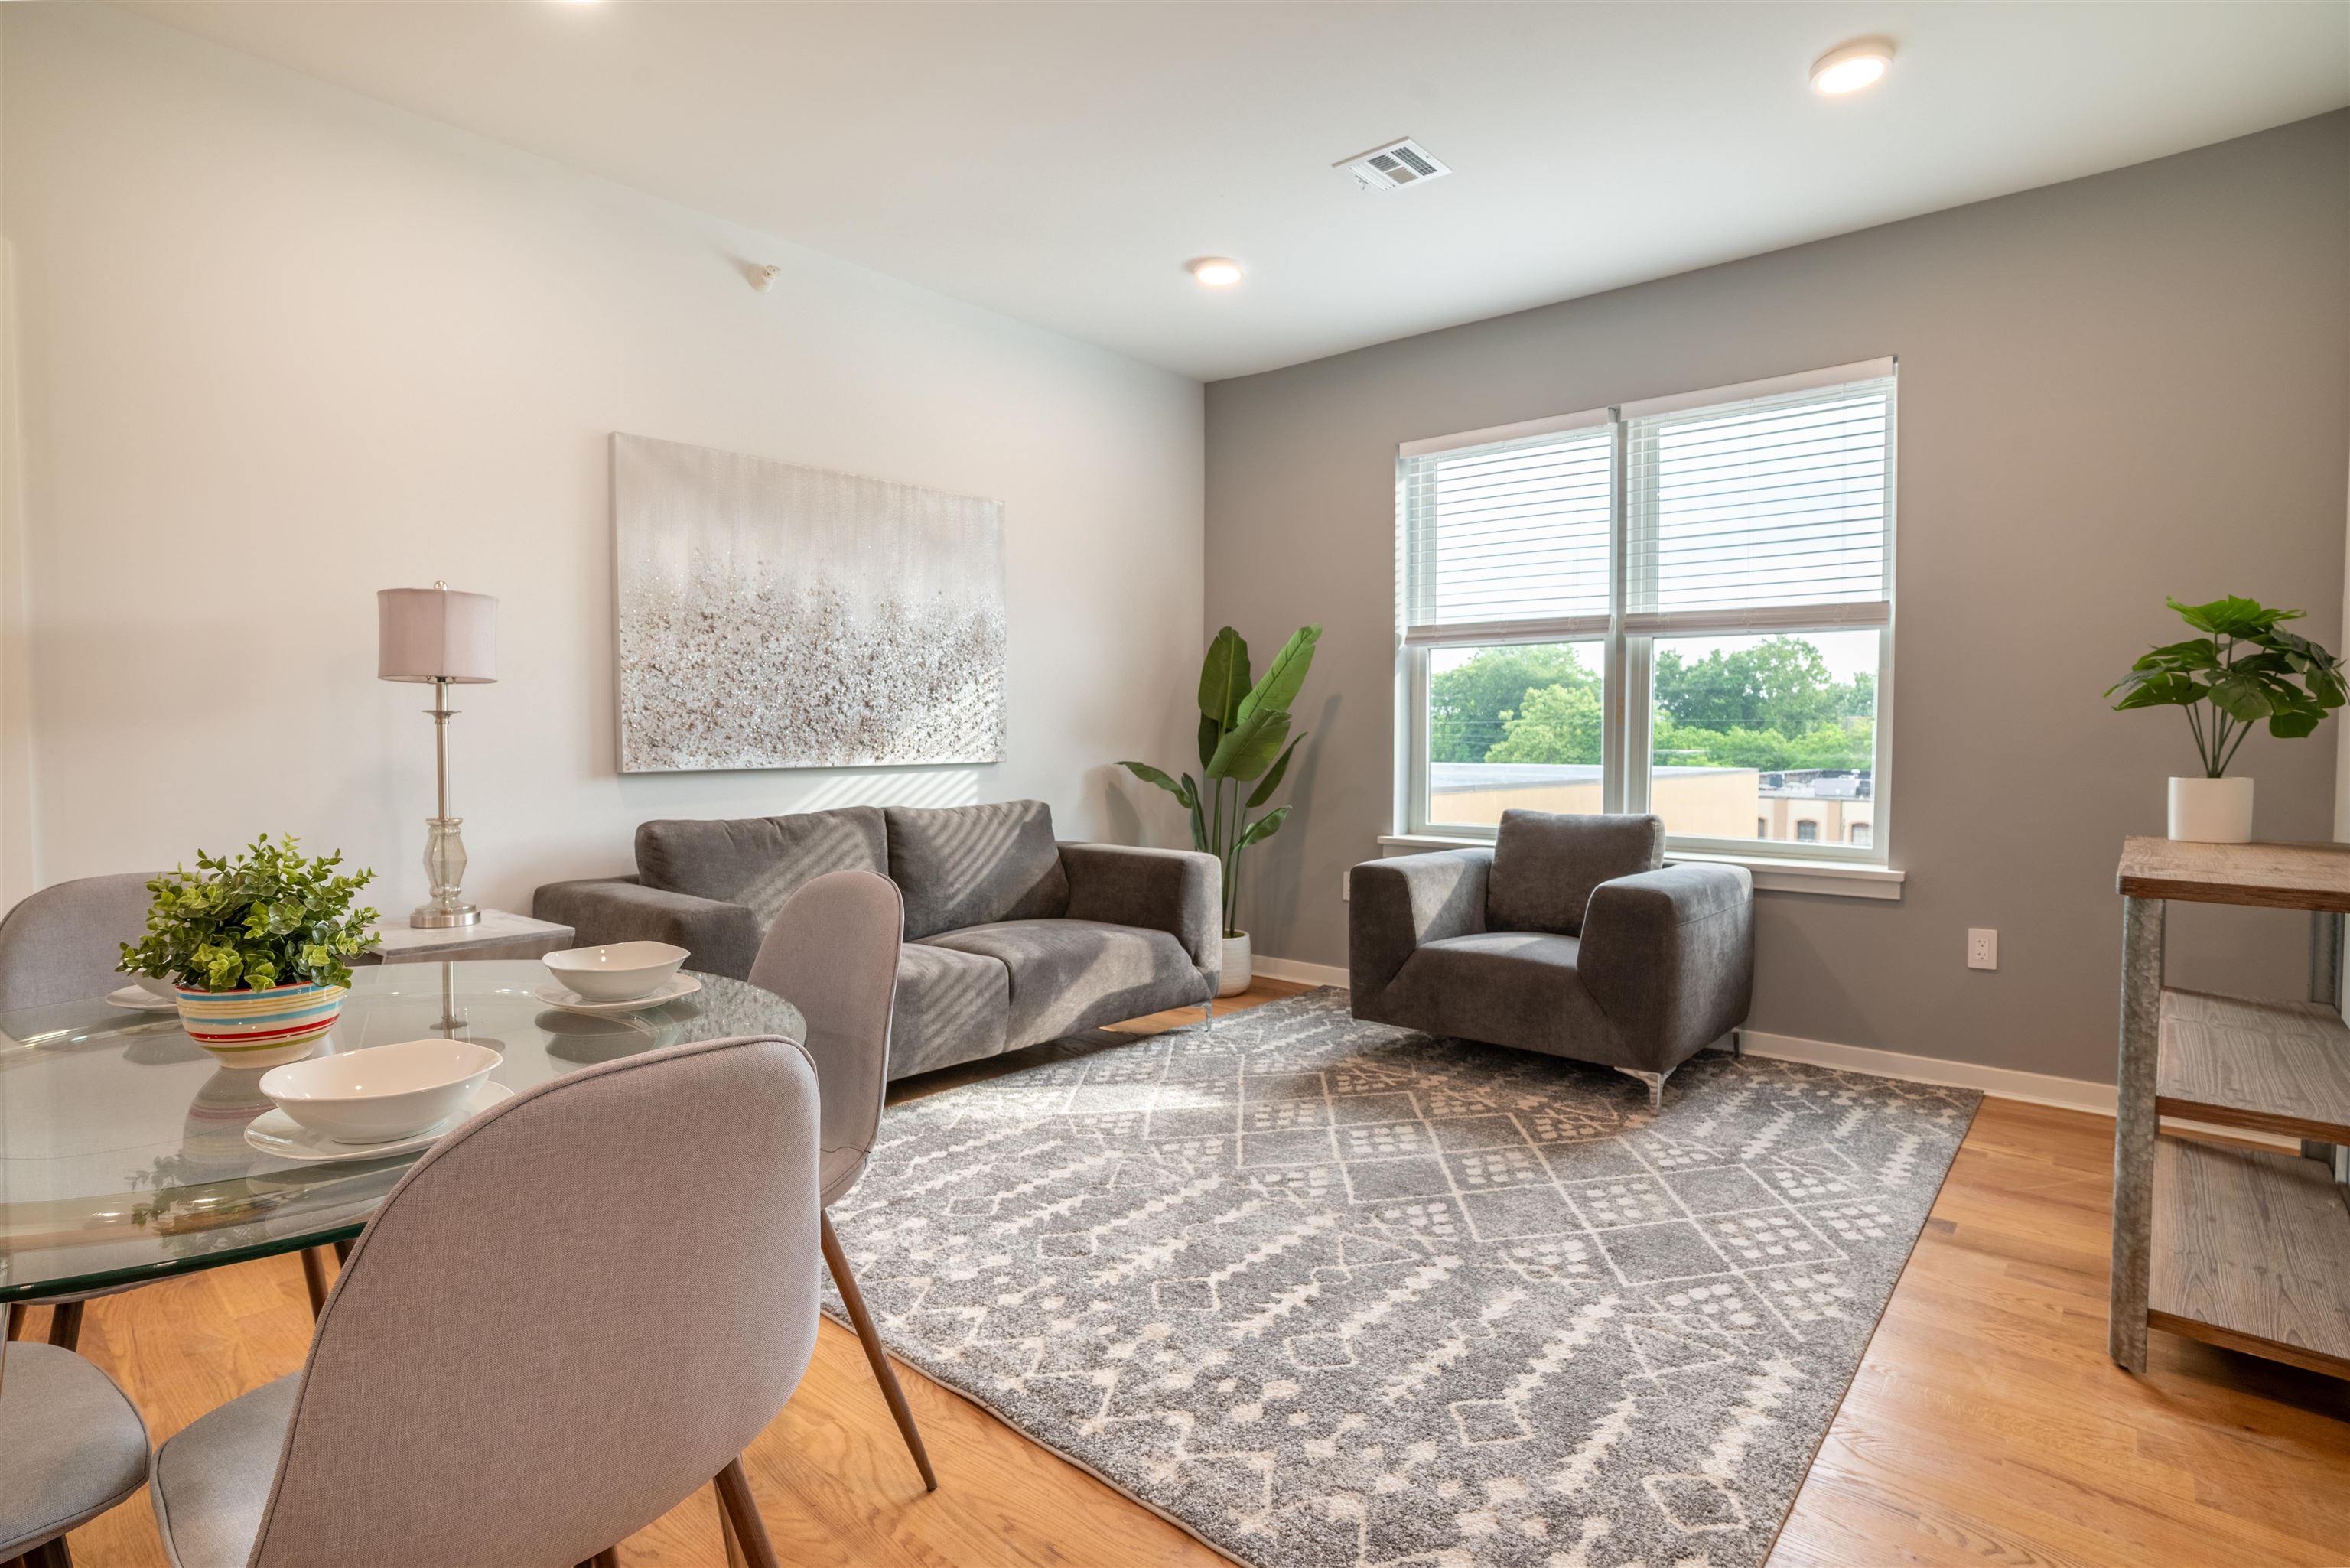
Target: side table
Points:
(497, 935)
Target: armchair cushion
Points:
(974, 865)
(1545, 864)
(1514, 988)
(1670, 956)
(759, 862)
(950, 1008)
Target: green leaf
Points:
(1286, 676)
(2241, 697)
(2159, 691)
(1211, 735)
(1224, 679)
(1272, 780)
(2232, 615)
(1198, 816)
(1264, 826)
(1249, 749)
(1150, 774)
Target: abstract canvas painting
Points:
(772, 616)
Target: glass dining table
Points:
(122, 1150)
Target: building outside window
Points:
(1683, 606)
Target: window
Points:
(1682, 607)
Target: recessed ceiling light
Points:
(1215, 272)
(1852, 66)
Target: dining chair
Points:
(482, 1387)
(71, 1446)
(63, 944)
(833, 954)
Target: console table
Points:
(2237, 1246)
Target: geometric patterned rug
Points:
(1333, 1294)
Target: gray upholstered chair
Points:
(64, 944)
(1570, 935)
(571, 1314)
(71, 1446)
(832, 953)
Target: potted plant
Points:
(1244, 738)
(2241, 669)
(255, 950)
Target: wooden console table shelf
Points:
(2239, 1247)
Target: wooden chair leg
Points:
(314, 1278)
(743, 1514)
(875, 1351)
(65, 1325)
(342, 1251)
(726, 1534)
(608, 1558)
(16, 1310)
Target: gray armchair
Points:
(1570, 936)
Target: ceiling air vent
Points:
(1394, 166)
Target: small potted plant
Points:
(255, 949)
(1243, 728)
(2241, 669)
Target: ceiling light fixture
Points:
(1214, 272)
(1852, 66)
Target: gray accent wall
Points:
(2125, 385)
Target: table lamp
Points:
(438, 635)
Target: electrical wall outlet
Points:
(1982, 947)
(1346, 886)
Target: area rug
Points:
(1333, 1294)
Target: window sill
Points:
(1772, 873)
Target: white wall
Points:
(276, 346)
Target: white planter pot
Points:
(2211, 811)
(1238, 971)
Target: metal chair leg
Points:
(65, 1325)
(743, 1514)
(875, 1352)
(314, 1279)
(1656, 1082)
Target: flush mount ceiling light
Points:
(1214, 272)
(1852, 66)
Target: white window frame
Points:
(1626, 641)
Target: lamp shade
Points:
(436, 634)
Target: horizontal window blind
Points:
(1762, 515)
(1511, 536)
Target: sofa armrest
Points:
(1393, 906)
(1179, 891)
(1669, 957)
(722, 937)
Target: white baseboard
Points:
(1303, 973)
(2002, 1082)
(2005, 1083)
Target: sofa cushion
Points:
(1505, 988)
(758, 861)
(1068, 975)
(951, 1007)
(970, 864)
(1545, 864)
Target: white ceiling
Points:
(1060, 163)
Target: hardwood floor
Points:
(1985, 1425)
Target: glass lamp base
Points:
(444, 868)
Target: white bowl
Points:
(619, 972)
(382, 1093)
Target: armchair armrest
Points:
(722, 937)
(1179, 891)
(1394, 906)
(1670, 956)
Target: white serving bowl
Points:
(383, 1092)
(622, 972)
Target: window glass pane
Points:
(1776, 731)
(1512, 726)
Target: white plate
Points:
(139, 999)
(570, 1001)
(275, 1133)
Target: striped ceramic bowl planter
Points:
(259, 1028)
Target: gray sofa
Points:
(1011, 937)
(1570, 935)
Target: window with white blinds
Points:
(1683, 605)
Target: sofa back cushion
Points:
(1545, 864)
(759, 861)
(974, 865)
